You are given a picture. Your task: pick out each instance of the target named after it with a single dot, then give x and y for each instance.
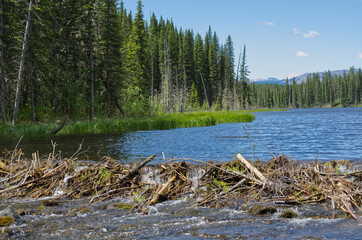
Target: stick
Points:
(137, 168)
(161, 191)
(224, 170)
(350, 211)
(23, 184)
(251, 168)
(61, 126)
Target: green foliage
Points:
(221, 184)
(139, 68)
(104, 174)
(194, 98)
(138, 198)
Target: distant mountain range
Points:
(299, 79)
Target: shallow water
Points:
(304, 134)
(177, 220)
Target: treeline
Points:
(318, 90)
(93, 58)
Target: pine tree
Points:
(194, 99)
(244, 80)
(294, 94)
(154, 56)
(136, 86)
(199, 67)
(213, 69)
(286, 99)
(228, 85)
(110, 41)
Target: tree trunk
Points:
(22, 63)
(114, 98)
(107, 59)
(91, 64)
(2, 78)
(55, 59)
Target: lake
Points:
(304, 134)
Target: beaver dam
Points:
(258, 187)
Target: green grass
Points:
(119, 125)
(164, 121)
(28, 131)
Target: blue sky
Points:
(282, 37)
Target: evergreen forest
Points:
(319, 90)
(89, 59)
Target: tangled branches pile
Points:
(280, 180)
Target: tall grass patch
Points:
(119, 125)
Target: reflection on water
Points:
(304, 134)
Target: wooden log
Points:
(137, 168)
(251, 168)
(161, 191)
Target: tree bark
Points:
(91, 63)
(22, 64)
(2, 78)
(55, 58)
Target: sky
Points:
(283, 38)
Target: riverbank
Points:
(119, 125)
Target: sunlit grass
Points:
(119, 125)
(164, 121)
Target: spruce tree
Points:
(244, 80)
(136, 85)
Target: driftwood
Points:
(251, 168)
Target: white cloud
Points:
(296, 31)
(270, 24)
(359, 55)
(302, 54)
(309, 34)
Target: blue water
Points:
(303, 134)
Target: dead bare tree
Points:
(22, 64)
